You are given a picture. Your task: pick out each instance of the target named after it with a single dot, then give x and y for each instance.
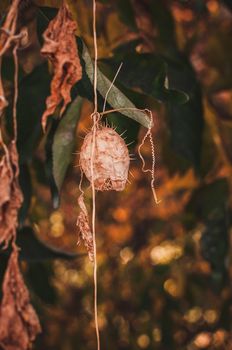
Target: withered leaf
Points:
(10, 194)
(19, 324)
(83, 225)
(61, 49)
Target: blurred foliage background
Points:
(164, 270)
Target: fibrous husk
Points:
(110, 160)
(10, 195)
(61, 49)
(85, 231)
(19, 324)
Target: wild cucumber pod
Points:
(110, 159)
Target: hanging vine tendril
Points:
(96, 117)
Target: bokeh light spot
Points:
(143, 341)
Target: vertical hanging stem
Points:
(95, 56)
(95, 121)
(94, 233)
(15, 91)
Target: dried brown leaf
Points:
(85, 231)
(61, 49)
(10, 194)
(19, 324)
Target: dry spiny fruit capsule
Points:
(110, 160)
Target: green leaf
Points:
(59, 148)
(116, 99)
(163, 21)
(138, 70)
(49, 162)
(64, 141)
(150, 75)
(33, 249)
(128, 127)
(126, 13)
(186, 120)
(33, 91)
(39, 277)
(162, 92)
(25, 185)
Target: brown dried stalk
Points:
(19, 323)
(83, 225)
(8, 29)
(61, 49)
(7, 32)
(11, 195)
(9, 36)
